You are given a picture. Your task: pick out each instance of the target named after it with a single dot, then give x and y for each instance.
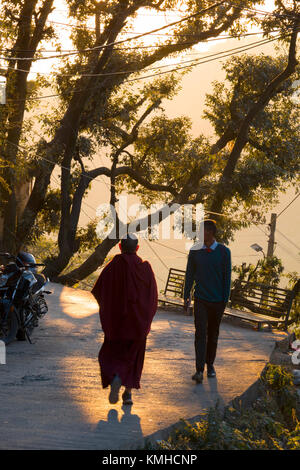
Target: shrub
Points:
(271, 423)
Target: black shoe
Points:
(211, 371)
(198, 377)
(114, 389)
(126, 397)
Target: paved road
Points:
(51, 395)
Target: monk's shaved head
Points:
(129, 243)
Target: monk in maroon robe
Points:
(126, 292)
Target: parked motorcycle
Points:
(22, 300)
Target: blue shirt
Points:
(211, 272)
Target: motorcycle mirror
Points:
(6, 255)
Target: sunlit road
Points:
(51, 395)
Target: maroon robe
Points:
(126, 292)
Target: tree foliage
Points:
(101, 110)
(266, 271)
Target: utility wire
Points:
(121, 72)
(296, 197)
(279, 244)
(229, 217)
(290, 241)
(175, 11)
(194, 15)
(176, 69)
(24, 151)
(234, 5)
(148, 243)
(219, 38)
(96, 48)
(265, 233)
(158, 257)
(169, 247)
(184, 253)
(284, 248)
(153, 46)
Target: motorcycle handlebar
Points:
(6, 255)
(32, 265)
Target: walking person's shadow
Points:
(121, 432)
(213, 387)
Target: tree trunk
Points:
(97, 258)
(97, 66)
(17, 89)
(66, 135)
(25, 46)
(90, 265)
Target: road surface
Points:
(51, 394)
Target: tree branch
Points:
(66, 135)
(38, 32)
(242, 137)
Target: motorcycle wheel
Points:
(8, 334)
(21, 336)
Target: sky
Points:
(190, 102)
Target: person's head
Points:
(210, 229)
(129, 243)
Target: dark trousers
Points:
(207, 316)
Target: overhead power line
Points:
(140, 35)
(121, 72)
(152, 46)
(288, 239)
(147, 242)
(122, 41)
(229, 217)
(185, 252)
(176, 11)
(23, 150)
(296, 197)
(250, 10)
(290, 253)
(255, 10)
(199, 61)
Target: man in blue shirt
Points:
(209, 267)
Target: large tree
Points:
(157, 158)
(101, 51)
(160, 161)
